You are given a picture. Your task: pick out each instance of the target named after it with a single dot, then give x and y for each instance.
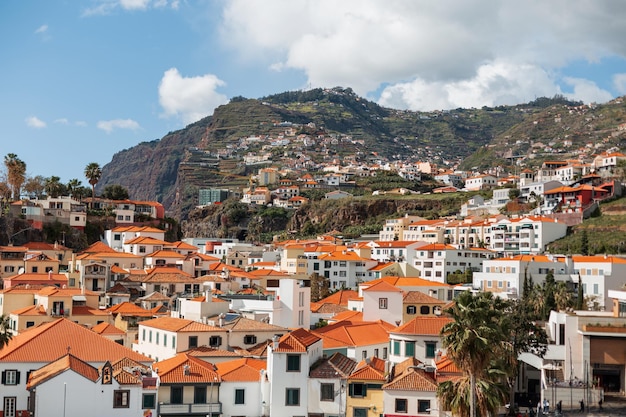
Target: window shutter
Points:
(17, 377)
(365, 390)
(4, 377)
(350, 386)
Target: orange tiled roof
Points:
(423, 326)
(419, 297)
(355, 334)
(49, 341)
(352, 316)
(107, 329)
(296, 341)
(241, 370)
(127, 308)
(412, 380)
(59, 366)
(340, 297)
(98, 247)
(370, 369)
(445, 365)
(173, 324)
(382, 286)
(186, 369)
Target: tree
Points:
(584, 243)
(93, 173)
(54, 187)
(35, 186)
(72, 186)
(580, 298)
(115, 192)
(320, 287)
(472, 339)
(16, 173)
(549, 290)
(5, 327)
(521, 335)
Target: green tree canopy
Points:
(115, 192)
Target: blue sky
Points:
(81, 80)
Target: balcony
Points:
(167, 409)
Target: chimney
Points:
(50, 275)
(274, 342)
(186, 369)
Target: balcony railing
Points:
(212, 408)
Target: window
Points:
(327, 392)
(360, 412)
(425, 310)
(35, 269)
(376, 353)
(431, 348)
(364, 354)
(401, 405)
(165, 340)
(121, 398)
(199, 394)
(193, 342)
(292, 396)
(142, 249)
(148, 401)
(240, 396)
(215, 341)
(384, 353)
(409, 349)
(30, 324)
(396, 347)
(293, 363)
(423, 406)
(176, 394)
(9, 268)
(382, 303)
(10, 377)
(249, 339)
(357, 389)
(411, 310)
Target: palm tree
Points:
(16, 173)
(5, 334)
(93, 173)
(72, 186)
(473, 338)
(53, 186)
(490, 393)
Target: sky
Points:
(82, 80)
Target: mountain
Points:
(339, 125)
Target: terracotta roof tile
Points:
(296, 341)
(412, 380)
(337, 366)
(59, 366)
(49, 341)
(186, 369)
(241, 370)
(107, 329)
(340, 297)
(173, 324)
(423, 326)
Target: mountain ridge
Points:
(211, 151)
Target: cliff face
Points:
(149, 170)
(351, 217)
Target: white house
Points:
(245, 388)
(70, 386)
(382, 301)
(419, 338)
(328, 385)
(288, 362)
(162, 338)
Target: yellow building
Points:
(365, 394)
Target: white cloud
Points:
(62, 121)
(35, 122)
(110, 125)
(619, 80)
(105, 7)
(436, 47)
(587, 91)
(42, 29)
(190, 98)
(134, 4)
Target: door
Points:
(9, 406)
